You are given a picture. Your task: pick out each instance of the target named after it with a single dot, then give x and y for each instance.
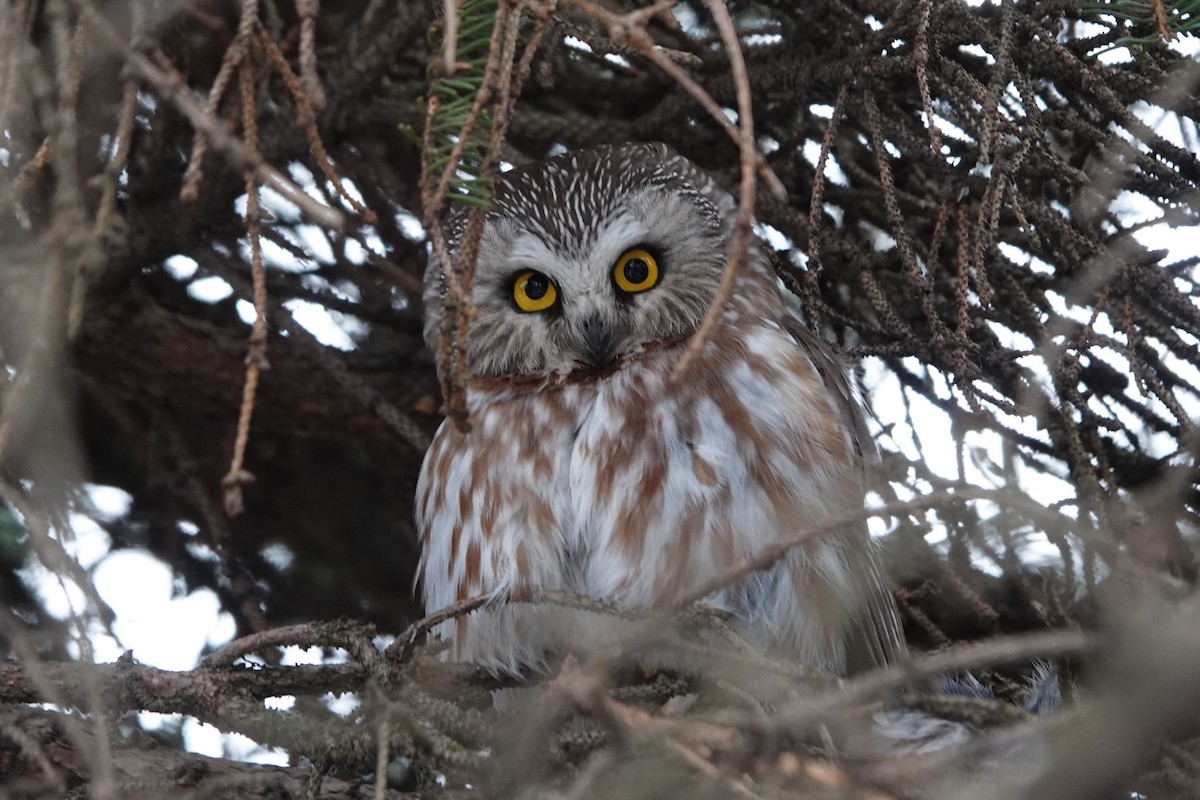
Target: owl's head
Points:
(588, 256)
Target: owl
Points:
(588, 470)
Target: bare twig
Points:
(631, 28)
(739, 243)
(355, 639)
(308, 11)
(172, 86)
(256, 356)
(307, 121)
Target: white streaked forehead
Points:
(623, 231)
(606, 242)
(531, 250)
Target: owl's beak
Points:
(599, 341)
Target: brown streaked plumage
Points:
(588, 471)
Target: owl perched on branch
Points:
(588, 470)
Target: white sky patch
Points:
(1188, 400)
(836, 213)
(976, 50)
(142, 592)
(875, 525)
(949, 130)
(283, 703)
(343, 704)
(1022, 258)
(351, 189)
(245, 311)
(301, 175)
(88, 542)
(1115, 55)
(981, 170)
(1186, 45)
(276, 256)
(1061, 307)
(273, 203)
(1166, 124)
(210, 289)
(762, 39)
(293, 656)
(833, 170)
(200, 737)
(1133, 207)
(410, 226)
(930, 438)
(59, 596)
(882, 525)
(887, 403)
(305, 179)
(772, 236)
(314, 241)
(881, 240)
(1014, 340)
(577, 44)
(687, 19)
(201, 552)
(373, 242)
(278, 555)
(1156, 444)
(354, 252)
(109, 501)
(344, 289)
(322, 323)
(1177, 239)
(768, 145)
(153, 721)
(181, 268)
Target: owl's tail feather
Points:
(908, 732)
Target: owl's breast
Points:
(494, 516)
(637, 489)
(493, 502)
(673, 482)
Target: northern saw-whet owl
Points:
(587, 470)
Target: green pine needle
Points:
(456, 93)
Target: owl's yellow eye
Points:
(533, 291)
(636, 271)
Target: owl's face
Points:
(588, 256)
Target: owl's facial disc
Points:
(588, 258)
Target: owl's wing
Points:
(878, 638)
(833, 372)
